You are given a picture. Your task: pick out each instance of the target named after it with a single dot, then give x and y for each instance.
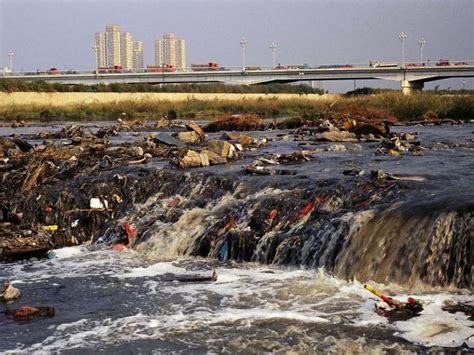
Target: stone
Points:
(190, 137)
(194, 127)
(168, 140)
(222, 148)
(44, 134)
(336, 136)
(193, 159)
(214, 158)
(135, 151)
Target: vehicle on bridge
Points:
(205, 67)
(253, 67)
(378, 64)
(111, 69)
(414, 65)
(335, 66)
(280, 67)
(444, 63)
(52, 71)
(162, 68)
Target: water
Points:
(112, 302)
(299, 285)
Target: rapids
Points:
(292, 253)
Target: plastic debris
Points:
(395, 310)
(50, 228)
(27, 313)
(97, 203)
(9, 292)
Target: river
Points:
(312, 301)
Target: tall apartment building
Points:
(114, 47)
(137, 55)
(126, 50)
(170, 50)
(180, 53)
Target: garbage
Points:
(244, 122)
(222, 148)
(336, 136)
(9, 292)
(97, 203)
(196, 278)
(27, 313)
(193, 159)
(135, 151)
(50, 228)
(395, 310)
(354, 172)
(23, 145)
(189, 137)
(168, 140)
(452, 307)
(194, 127)
(380, 174)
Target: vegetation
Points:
(8, 85)
(384, 105)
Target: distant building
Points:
(137, 55)
(171, 51)
(114, 48)
(126, 50)
(180, 54)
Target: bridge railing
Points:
(250, 68)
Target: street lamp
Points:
(243, 43)
(421, 43)
(402, 36)
(463, 85)
(95, 47)
(273, 47)
(10, 56)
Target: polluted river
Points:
(243, 239)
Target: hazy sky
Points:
(60, 33)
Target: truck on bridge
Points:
(205, 67)
(162, 68)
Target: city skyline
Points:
(313, 32)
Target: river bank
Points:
(58, 106)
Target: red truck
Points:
(205, 67)
(162, 68)
(111, 69)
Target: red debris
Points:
(273, 213)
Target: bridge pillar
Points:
(408, 87)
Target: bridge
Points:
(411, 77)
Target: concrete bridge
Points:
(411, 78)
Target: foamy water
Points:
(108, 301)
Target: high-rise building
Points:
(171, 51)
(137, 55)
(126, 50)
(114, 48)
(100, 48)
(112, 45)
(180, 54)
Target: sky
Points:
(60, 33)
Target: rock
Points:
(9, 292)
(23, 145)
(408, 136)
(245, 140)
(44, 134)
(194, 127)
(222, 148)
(214, 158)
(135, 151)
(336, 136)
(231, 136)
(168, 140)
(190, 137)
(193, 159)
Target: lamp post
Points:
(95, 47)
(463, 85)
(421, 43)
(243, 43)
(402, 36)
(301, 74)
(273, 47)
(10, 56)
